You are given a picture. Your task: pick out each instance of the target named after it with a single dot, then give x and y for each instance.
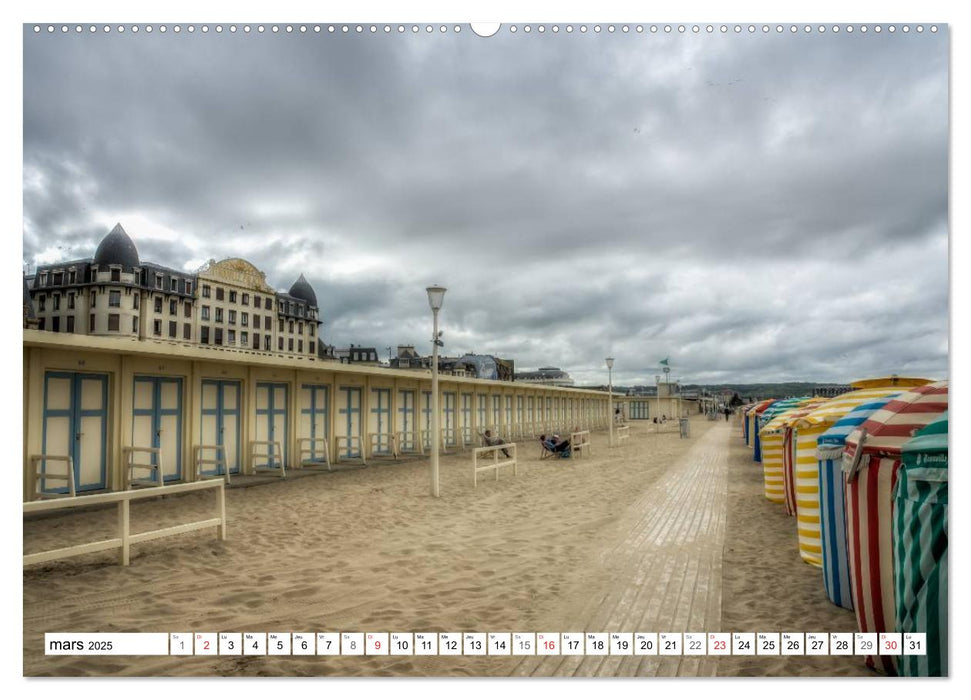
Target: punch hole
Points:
(849, 28)
(933, 29)
(765, 29)
(681, 29)
(751, 29)
(723, 29)
(863, 29)
(513, 29)
(709, 29)
(36, 29)
(905, 29)
(878, 29)
(583, 29)
(836, 29)
(920, 28)
(134, 29)
(148, 28)
(821, 29)
(78, 29)
(891, 29)
(205, 29)
(695, 29)
(163, 29)
(640, 29)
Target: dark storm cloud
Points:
(755, 207)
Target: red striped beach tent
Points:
(870, 463)
(771, 436)
(832, 515)
(920, 548)
(751, 417)
(767, 414)
(804, 462)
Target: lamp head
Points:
(436, 295)
(610, 363)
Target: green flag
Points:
(664, 362)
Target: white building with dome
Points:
(227, 304)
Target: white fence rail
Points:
(495, 464)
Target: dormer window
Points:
(116, 274)
(43, 279)
(188, 287)
(72, 277)
(174, 282)
(158, 281)
(58, 279)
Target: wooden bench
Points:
(308, 450)
(579, 442)
(125, 539)
(495, 464)
(269, 455)
(154, 470)
(219, 460)
(622, 432)
(40, 476)
(408, 442)
(376, 449)
(348, 442)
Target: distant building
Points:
(227, 304)
(30, 318)
(831, 390)
(356, 355)
(552, 376)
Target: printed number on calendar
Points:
(720, 645)
(647, 644)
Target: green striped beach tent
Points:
(920, 547)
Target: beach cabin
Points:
(771, 437)
(801, 461)
(920, 548)
(831, 537)
(870, 463)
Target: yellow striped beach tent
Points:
(920, 548)
(832, 494)
(805, 463)
(871, 461)
(771, 436)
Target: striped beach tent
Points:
(802, 463)
(831, 538)
(920, 548)
(754, 414)
(870, 463)
(772, 436)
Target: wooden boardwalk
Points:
(666, 570)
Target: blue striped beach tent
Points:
(920, 547)
(832, 491)
(753, 423)
(768, 413)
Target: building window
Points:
(91, 325)
(300, 328)
(116, 274)
(94, 299)
(218, 336)
(244, 319)
(310, 349)
(299, 309)
(70, 300)
(290, 327)
(41, 323)
(220, 295)
(43, 279)
(299, 346)
(56, 324)
(57, 302)
(205, 313)
(281, 342)
(355, 356)
(134, 324)
(204, 335)
(187, 331)
(290, 345)
(70, 324)
(266, 342)
(256, 341)
(114, 322)
(280, 322)
(58, 279)
(206, 291)
(188, 286)
(232, 315)
(72, 277)
(256, 300)
(219, 314)
(42, 302)
(269, 322)
(136, 300)
(158, 281)
(232, 296)
(243, 338)
(173, 307)
(230, 337)
(174, 282)
(158, 305)
(114, 298)
(269, 304)
(157, 327)
(256, 321)
(187, 309)
(173, 329)
(245, 299)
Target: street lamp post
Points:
(657, 392)
(436, 295)
(610, 397)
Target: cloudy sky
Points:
(755, 207)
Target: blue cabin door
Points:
(220, 411)
(273, 420)
(76, 425)
(157, 422)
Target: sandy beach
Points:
(656, 534)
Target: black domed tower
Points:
(117, 249)
(301, 289)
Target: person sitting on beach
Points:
(492, 442)
(555, 445)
